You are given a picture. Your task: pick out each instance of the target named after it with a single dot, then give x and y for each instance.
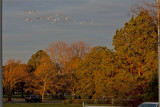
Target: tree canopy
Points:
(127, 71)
(35, 59)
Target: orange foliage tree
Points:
(68, 57)
(44, 77)
(13, 73)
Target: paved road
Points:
(16, 100)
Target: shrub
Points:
(120, 103)
(86, 101)
(77, 101)
(102, 102)
(68, 101)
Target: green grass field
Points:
(39, 105)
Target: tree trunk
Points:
(42, 97)
(73, 94)
(9, 95)
(62, 96)
(9, 98)
(22, 91)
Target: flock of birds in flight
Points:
(59, 19)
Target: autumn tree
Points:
(77, 52)
(70, 76)
(136, 44)
(67, 58)
(136, 47)
(44, 77)
(122, 85)
(151, 91)
(35, 59)
(79, 49)
(58, 52)
(92, 73)
(13, 73)
(146, 6)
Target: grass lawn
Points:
(39, 105)
(46, 105)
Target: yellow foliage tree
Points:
(13, 73)
(71, 79)
(44, 77)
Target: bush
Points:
(86, 101)
(77, 101)
(68, 101)
(120, 103)
(103, 102)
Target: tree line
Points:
(130, 70)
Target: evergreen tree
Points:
(92, 73)
(136, 47)
(136, 44)
(151, 92)
(35, 60)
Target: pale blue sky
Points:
(21, 39)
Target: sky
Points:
(26, 29)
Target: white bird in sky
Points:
(28, 20)
(39, 18)
(31, 12)
(66, 18)
(48, 18)
(60, 19)
(83, 22)
(56, 19)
